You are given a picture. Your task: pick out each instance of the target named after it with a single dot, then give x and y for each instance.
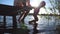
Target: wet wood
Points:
(8, 10)
(14, 22)
(4, 21)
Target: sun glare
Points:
(42, 11)
(35, 3)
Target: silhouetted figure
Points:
(25, 10)
(36, 11)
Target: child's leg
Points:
(35, 17)
(33, 21)
(22, 17)
(26, 13)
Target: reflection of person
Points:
(25, 10)
(36, 11)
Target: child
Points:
(25, 11)
(36, 11)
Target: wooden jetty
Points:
(6, 10)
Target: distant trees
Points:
(55, 4)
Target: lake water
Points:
(44, 23)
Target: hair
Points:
(43, 2)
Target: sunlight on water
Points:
(1, 18)
(44, 22)
(9, 21)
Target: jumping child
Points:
(36, 11)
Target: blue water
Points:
(44, 23)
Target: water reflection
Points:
(45, 23)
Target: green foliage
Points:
(58, 17)
(50, 8)
(23, 26)
(47, 17)
(55, 4)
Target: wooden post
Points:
(4, 25)
(14, 24)
(4, 22)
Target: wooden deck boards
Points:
(8, 10)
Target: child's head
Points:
(42, 4)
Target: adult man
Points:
(36, 11)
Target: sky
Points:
(7, 2)
(34, 3)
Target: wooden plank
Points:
(8, 10)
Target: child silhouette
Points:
(36, 11)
